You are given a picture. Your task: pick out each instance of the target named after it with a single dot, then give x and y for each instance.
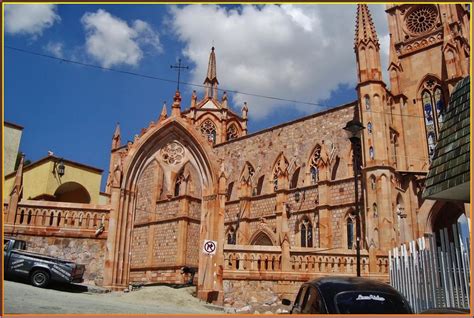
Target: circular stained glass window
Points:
(421, 19)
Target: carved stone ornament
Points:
(172, 153)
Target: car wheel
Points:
(40, 278)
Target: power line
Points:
(185, 83)
(158, 78)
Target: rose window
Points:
(172, 153)
(422, 19)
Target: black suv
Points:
(348, 295)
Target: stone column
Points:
(243, 234)
(282, 221)
(325, 220)
(210, 285)
(182, 230)
(112, 236)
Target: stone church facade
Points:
(280, 202)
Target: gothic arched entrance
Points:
(165, 202)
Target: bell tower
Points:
(429, 54)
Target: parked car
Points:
(39, 269)
(348, 295)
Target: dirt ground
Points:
(21, 298)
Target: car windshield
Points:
(370, 302)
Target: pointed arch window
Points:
(231, 236)
(367, 102)
(280, 167)
(232, 132)
(371, 153)
(433, 110)
(208, 130)
(375, 210)
(373, 182)
(177, 184)
(314, 165)
(369, 127)
(350, 233)
(306, 232)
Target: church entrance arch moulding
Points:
(169, 146)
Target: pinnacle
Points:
(365, 28)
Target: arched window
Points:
(371, 153)
(294, 179)
(58, 221)
(230, 186)
(208, 130)
(232, 132)
(22, 216)
(350, 233)
(259, 188)
(177, 184)
(28, 220)
(369, 127)
(314, 164)
(231, 236)
(433, 110)
(375, 210)
(367, 102)
(373, 182)
(280, 167)
(306, 232)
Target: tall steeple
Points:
(116, 140)
(211, 81)
(366, 46)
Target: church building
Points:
(280, 203)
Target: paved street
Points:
(22, 298)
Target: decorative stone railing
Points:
(62, 218)
(264, 262)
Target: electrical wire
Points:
(152, 77)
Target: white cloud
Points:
(111, 41)
(298, 52)
(29, 19)
(55, 48)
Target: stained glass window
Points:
(208, 130)
(232, 132)
(350, 233)
(433, 110)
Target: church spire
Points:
(211, 81)
(367, 47)
(365, 28)
(116, 137)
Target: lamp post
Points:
(354, 129)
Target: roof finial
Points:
(116, 137)
(211, 81)
(164, 112)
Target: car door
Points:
(300, 300)
(313, 304)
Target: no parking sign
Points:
(209, 247)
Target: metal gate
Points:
(433, 272)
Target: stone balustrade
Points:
(265, 262)
(62, 218)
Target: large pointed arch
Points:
(123, 200)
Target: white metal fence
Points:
(433, 272)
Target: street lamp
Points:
(354, 129)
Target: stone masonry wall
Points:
(296, 140)
(90, 252)
(251, 296)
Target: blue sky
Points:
(300, 53)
